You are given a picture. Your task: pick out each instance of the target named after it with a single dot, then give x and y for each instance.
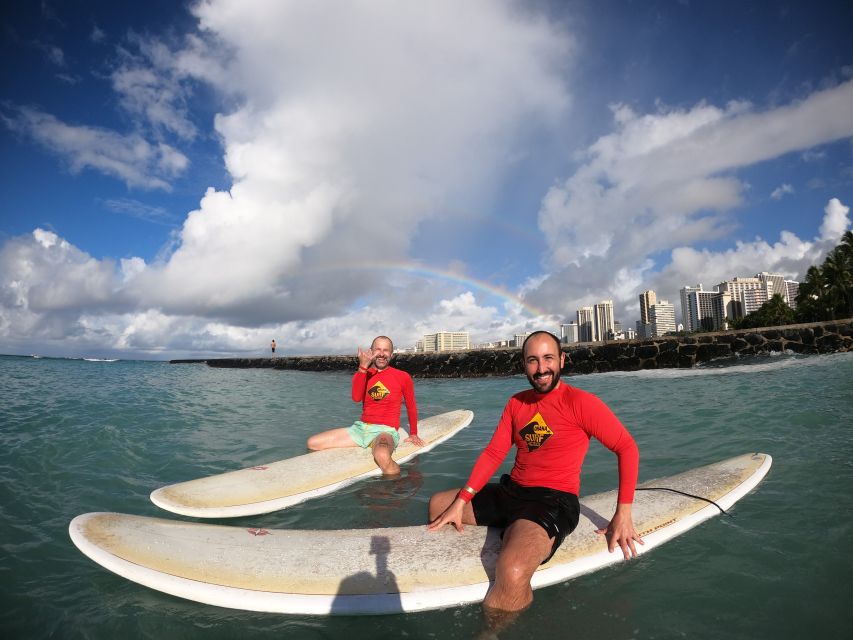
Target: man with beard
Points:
(381, 389)
(537, 503)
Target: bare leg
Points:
(439, 502)
(332, 439)
(525, 546)
(383, 447)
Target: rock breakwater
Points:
(619, 355)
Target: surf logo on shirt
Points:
(535, 432)
(378, 391)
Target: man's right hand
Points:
(451, 515)
(365, 358)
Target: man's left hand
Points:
(620, 531)
(415, 440)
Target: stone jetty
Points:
(591, 357)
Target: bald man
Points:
(381, 389)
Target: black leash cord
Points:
(689, 495)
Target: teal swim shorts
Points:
(363, 433)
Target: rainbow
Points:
(421, 271)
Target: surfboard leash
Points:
(689, 495)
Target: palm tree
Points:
(846, 250)
(773, 313)
(838, 273)
(833, 275)
(810, 297)
(847, 244)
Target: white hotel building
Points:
(445, 341)
(732, 299)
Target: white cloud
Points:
(68, 79)
(348, 135)
(340, 150)
(140, 210)
(52, 53)
(152, 90)
(813, 155)
(343, 138)
(835, 222)
(43, 273)
(780, 191)
(667, 180)
(57, 300)
(662, 180)
(129, 158)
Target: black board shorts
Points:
(501, 504)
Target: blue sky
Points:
(196, 179)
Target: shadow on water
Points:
(365, 592)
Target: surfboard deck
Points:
(270, 487)
(380, 571)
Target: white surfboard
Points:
(379, 571)
(270, 487)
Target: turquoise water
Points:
(79, 436)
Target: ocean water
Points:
(79, 436)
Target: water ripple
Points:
(80, 436)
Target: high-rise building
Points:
(647, 299)
(662, 316)
(603, 326)
(792, 288)
(569, 333)
(775, 283)
(690, 313)
(446, 341)
(747, 295)
(703, 310)
(586, 325)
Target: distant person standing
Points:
(272, 346)
(381, 389)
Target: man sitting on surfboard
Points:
(537, 502)
(381, 389)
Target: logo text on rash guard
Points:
(535, 432)
(378, 391)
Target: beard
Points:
(555, 380)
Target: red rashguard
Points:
(382, 393)
(551, 433)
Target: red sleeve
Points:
(411, 405)
(493, 455)
(600, 422)
(359, 385)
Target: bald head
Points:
(381, 350)
(538, 335)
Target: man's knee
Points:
(516, 574)
(383, 446)
(314, 443)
